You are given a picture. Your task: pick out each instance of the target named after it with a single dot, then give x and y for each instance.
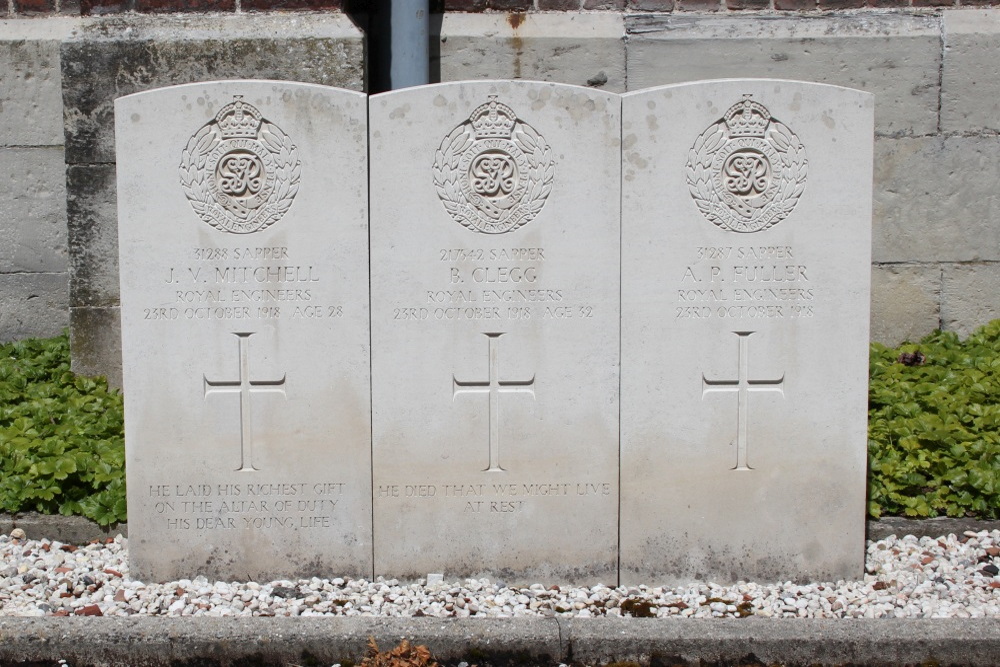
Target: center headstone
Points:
(244, 301)
(495, 267)
(746, 236)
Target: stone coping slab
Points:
(148, 642)
(79, 530)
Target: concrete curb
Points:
(152, 642)
(881, 528)
(66, 529)
(78, 530)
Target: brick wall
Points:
(690, 5)
(33, 8)
(28, 8)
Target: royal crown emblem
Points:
(493, 172)
(747, 171)
(240, 171)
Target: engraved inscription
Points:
(493, 284)
(743, 386)
(246, 506)
(493, 172)
(745, 282)
(493, 386)
(244, 386)
(747, 171)
(270, 287)
(240, 171)
(495, 499)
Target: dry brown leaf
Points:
(404, 655)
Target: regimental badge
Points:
(240, 171)
(747, 171)
(494, 171)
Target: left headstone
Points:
(242, 212)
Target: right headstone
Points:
(746, 236)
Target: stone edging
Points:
(151, 642)
(878, 529)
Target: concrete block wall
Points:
(34, 277)
(934, 72)
(936, 79)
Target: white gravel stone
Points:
(906, 577)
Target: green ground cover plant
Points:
(62, 446)
(933, 425)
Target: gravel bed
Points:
(906, 577)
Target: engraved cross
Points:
(742, 385)
(244, 386)
(494, 386)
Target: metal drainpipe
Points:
(409, 43)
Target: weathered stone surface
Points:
(887, 526)
(139, 641)
(584, 49)
(896, 57)
(30, 95)
(114, 56)
(93, 235)
(95, 342)
(495, 238)
(969, 296)
(935, 199)
(906, 302)
(95, 325)
(245, 330)
(786, 641)
(970, 75)
(746, 236)
(66, 529)
(33, 304)
(33, 194)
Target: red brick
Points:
(795, 5)
(652, 5)
(700, 5)
(464, 5)
(604, 4)
(264, 5)
(185, 5)
(89, 610)
(841, 4)
(511, 5)
(559, 5)
(96, 7)
(34, 6)
(883, 4)
(738, 5)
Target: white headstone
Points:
(244, 302)
(495, 246)
(746, 236)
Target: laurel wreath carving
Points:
(447, 174)
(700, 174)
(193, 172)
